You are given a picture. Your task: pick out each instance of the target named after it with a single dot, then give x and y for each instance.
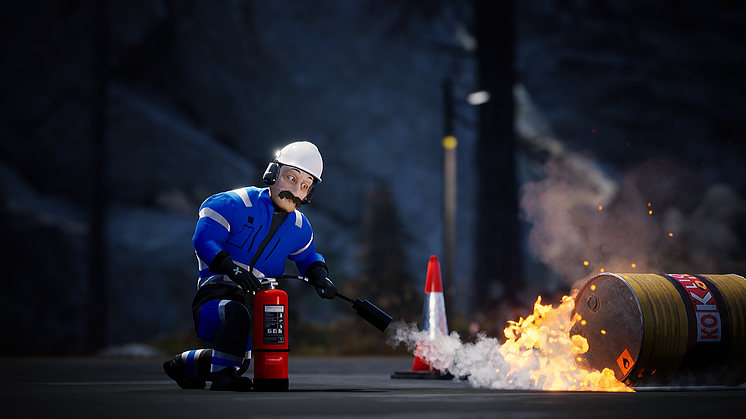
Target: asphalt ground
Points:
(106, 388)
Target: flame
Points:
(539, 353)
(542, 343)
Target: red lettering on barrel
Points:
(709, 327)
(705, 307)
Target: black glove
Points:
(243, 277)
(324, 287)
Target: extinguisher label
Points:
(274, 324)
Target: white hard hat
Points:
(303, 155)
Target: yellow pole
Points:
(449, 206)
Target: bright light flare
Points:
(478, 98)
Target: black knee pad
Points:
(233, 335)
(237, 314)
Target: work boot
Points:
(244, 367)
(177, 370)
(227, 380)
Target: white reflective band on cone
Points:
(434, 315)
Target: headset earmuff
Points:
(270, 175)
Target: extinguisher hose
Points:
(364, 308)
(304, 279)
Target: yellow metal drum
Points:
(674, 329)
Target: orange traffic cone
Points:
(433, 321)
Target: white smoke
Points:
(657, 216)
(480, 362)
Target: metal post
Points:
(498, 273)
(97, 304)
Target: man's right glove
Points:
(317, 275)
(223, 264)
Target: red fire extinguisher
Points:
(270, 339)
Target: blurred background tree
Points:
(383, 277)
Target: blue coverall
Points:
(238, 221)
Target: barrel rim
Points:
(620, 276)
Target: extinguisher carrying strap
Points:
(277, 220)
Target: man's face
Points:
(291, 187)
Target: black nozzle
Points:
(372, 314)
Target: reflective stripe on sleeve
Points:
(213, 215)
(304, 247)
(201, 265)
(244, 196)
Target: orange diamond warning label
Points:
(625, 362)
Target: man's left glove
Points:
(324, 287)
(223, 264)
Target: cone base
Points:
(422, 375)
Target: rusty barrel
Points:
(657, 330)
